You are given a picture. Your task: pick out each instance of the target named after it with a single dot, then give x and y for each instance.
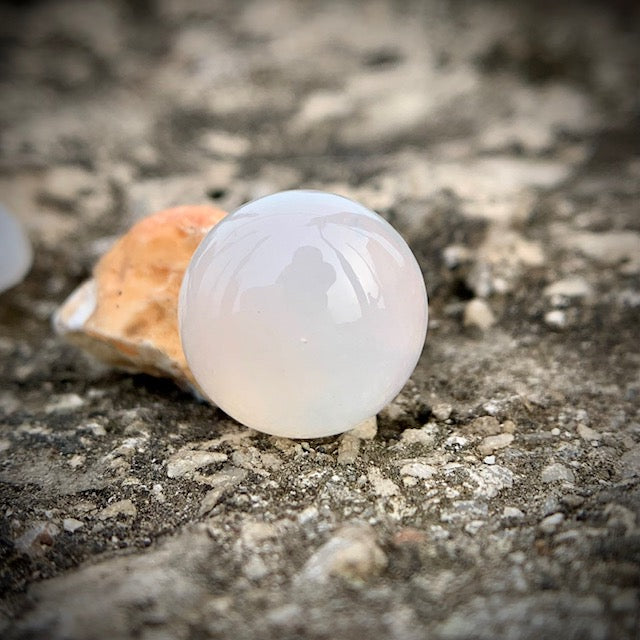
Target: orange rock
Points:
(127, 314)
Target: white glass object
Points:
(16, 254)
(302, 314)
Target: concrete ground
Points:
(499, 496)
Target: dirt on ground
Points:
(499, 496)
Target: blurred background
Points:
(112, 110)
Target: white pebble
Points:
(478, 313)
(71, 524)
(492, 443)
(473, 527)
(556, 319)
(551, 523)
(417, 470)
(120, 508)
(587, 433)
(442, 411)
(572, 287)
(454, 255)
(491, 407)
(556, 472)
(352, 553)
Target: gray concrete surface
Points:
(500, 495)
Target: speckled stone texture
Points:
(499, 496)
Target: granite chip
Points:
(119, 508)
(556, 472)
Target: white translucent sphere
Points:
(302, 314)
(16, 254)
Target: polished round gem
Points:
(302, 314)
(16, 254)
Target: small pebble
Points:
(425, 436)
(352, 553)
(619, 517)
(64, 403)
(492, 443)
(572, 287)
(491, 407)
(380, 485)
(184, 462)
(255, 533)
(572, 500)
(76, 461)
(417, 470)
(454, 255)
(473, 527)
(64, 184)
(630, 461)
(71, 524)
(349, 448)
(586, 433)
(255, 568)
(96, 429)
(456, 443)
(442, 411)
(409, 536)
(509, 426)
(120, 508)
(365, 430)
(158, 494)
(551, 523)
(557, 472)
(477, 313)
(288, 615)
(221, 484)
(518, 557)
(556, 319)
(485, 425)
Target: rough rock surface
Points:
(126, 315)
(500, 139)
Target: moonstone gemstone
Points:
(302, 314)
(16, 254)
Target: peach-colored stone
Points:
(126, 315)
